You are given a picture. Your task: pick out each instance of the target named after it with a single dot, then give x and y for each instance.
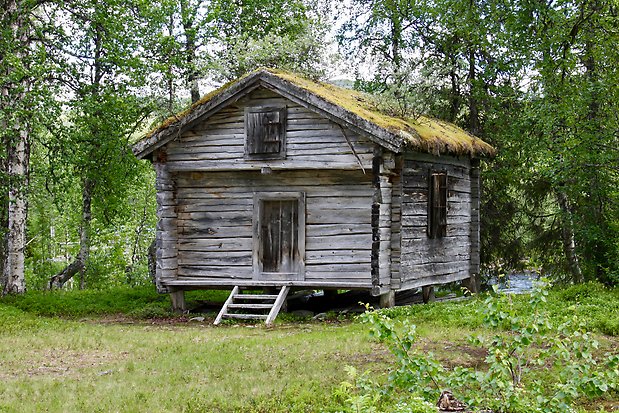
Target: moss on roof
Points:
(423, 134)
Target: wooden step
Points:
(278, 301)
(255, 296)
(252, 305)
(246, 316)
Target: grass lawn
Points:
(86, 352)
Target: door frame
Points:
(258, 273)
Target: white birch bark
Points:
(18, 155)
(18, 150)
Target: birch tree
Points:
(21, 58)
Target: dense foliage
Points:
(82, 81)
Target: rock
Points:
(448, 403)
(198, 319)
(320, 316)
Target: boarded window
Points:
(279, 236)
(265, 130)
(437, 205)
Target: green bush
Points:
(595, 306)
(536, 362)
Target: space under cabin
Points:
(279, 182)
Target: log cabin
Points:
(278, 181)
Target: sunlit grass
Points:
(83, 366)
(70, 352)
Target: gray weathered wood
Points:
(178, 301)
(474, 284)
(219, 145)
(281, 298)
(318, 283)
(365, 208)
(295, 253)
(224, 309)
(424, 261)
(247, 316)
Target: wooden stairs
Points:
(253, 306)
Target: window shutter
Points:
(437, 205)
(266, 132)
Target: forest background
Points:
(81, 81)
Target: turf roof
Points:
(424, 134)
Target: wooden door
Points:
(279, 250)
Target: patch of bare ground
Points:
(452, 354)
(379, 355)
(158, 321)
(601, 405)
(62, 363)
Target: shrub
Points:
(534, 363)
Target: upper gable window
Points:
(265, 132)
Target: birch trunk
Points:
(568, 238)
(18, 157)
(84, 253)
(18, 149)
(4, 220)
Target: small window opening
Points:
(437, 205)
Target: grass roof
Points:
(423, 134)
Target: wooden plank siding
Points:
(215, 223)
(312, 141)
(166, 236)
(382, 169)
(426, 261)
(475, 226)
(396, 222)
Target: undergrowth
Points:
(137, 302)
(595, 306)
(536, 360)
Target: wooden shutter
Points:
(437, 205)
(265, 132)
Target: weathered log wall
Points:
(215, 223)
(426, 261)
(166, 238)
(396, 222)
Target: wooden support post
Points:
(387, 300)
(178, 301)
(381, 222)
(428, 294)
(474, 282)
